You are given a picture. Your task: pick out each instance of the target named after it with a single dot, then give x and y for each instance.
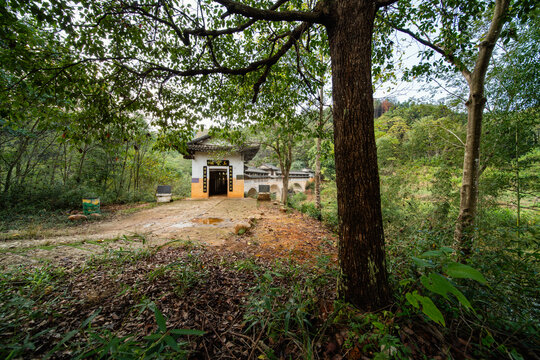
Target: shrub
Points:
(330, 216)
(310, 209)
(295, 200)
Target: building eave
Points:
(248, 152)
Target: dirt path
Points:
(209, 222)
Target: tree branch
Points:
(152, 67)
(235, 7)
(293, 38)
(299, 68)
(449, 56)
(383, 3)
(170, 22)
(451, 132)
(232, 30)
(487, 45)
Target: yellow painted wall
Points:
(197, 190)
(238, 189)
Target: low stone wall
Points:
(251, 186)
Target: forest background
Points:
(76, 135)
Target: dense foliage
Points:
(100, 125)
(420, 148)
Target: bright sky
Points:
(419, 90)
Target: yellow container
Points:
(91, 206)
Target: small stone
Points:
(239, 227)
(77, 217)
(255, 217)
(331, 347)
(263, 197)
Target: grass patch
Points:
(133, 299)
(135, 209)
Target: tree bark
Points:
(20, 151)
(463, 235)
(121, 180)
(318, 175)
(318, 151)
(55, 164)
(285, 162)
(363, 280)
(67, 165)
(283, 147)
(81, 163)
(464, 231)
(285, 192)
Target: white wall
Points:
(254, 183)
(235, 160)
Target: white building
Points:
(218, 168)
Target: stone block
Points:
(263, 197)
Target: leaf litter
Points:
(268, 293)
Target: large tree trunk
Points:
(285, 192)
(363, 280)
(121, 180)
(464, 231)
(55, 164)
(463, 235)
(13, 165)
(81, 163)
(318, 152)
(318, 175)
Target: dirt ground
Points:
(209, 222)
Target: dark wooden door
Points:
(218, 182)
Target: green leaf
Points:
(66, 338)
(187, 332)
(160, 319)
(431, 310)
(447, 250)
(488, 340)
(412, 299)
(462, 271)
(405, 282)
(287, 320)
(90, 318)
(155, 348)
(422, 262)
(428, 307)
(172, 343)
(152, 337)
(440, 285)
(437, 253)
(515, 355)
(432, 253)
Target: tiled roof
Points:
(255, 170)
(199, 137)
(249, 152)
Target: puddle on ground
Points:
(193, 222)
(207, 221)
